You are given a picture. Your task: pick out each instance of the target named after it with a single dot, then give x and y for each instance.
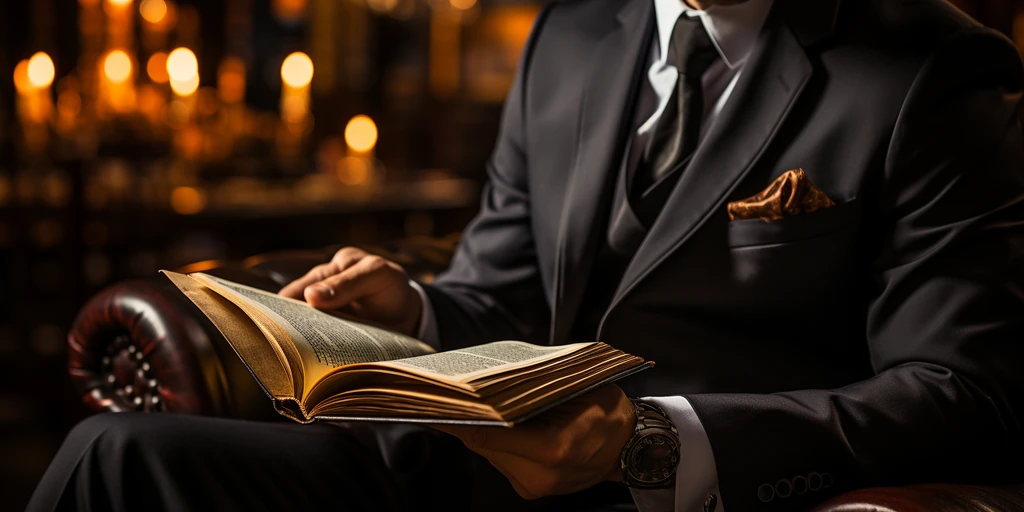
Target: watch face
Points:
(653, 459)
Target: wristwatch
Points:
(650, 458)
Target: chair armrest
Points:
(928, 498)
(142, 346)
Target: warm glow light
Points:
(353, 170)
(40, 70)
(117, 67)
(297, 70)
(361, 133)
(153, 11)
(120, 3)
(289, 11)
(462, 5)
(185, 87)
(231, 80)
(21, 81)
(187, 200)
(182, 66)
(156, 68)
(384, 6)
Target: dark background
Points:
(102, 181)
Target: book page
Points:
(324, 341)
(265, 359)
(468, 363)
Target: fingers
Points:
(342, 259)
(365, 277)
(296, 288)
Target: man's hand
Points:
(363, 285)
(567, 449)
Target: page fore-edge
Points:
(495, 423)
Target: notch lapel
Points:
(778, 70)
(606, 108)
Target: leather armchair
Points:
(141, 346)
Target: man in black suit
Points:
(875, 341)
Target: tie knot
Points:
(691, 50)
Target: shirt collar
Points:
(733, 28)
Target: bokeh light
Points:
(187, 200)
(117, 66)
(40, 70)
(185, 87)
(119, 3)
(382, 6)
(353, 170)
(182, 65)
(231, 80)
(153, 11)
(21, 81)
(462, 5)
(297, 70)
(183, 71)
(361, 133)
(156, 68)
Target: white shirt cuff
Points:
(427, 332)
(697, 475)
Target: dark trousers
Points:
(133, 461)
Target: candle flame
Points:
(40, 70)
(117, 66)
(361, 133)
(297, 70)
(182, 65)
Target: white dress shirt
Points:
(734, 29)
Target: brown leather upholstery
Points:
(140, 345)
(929, 498)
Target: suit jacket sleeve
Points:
(945, 326)
(493, 289)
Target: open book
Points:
(314, 365)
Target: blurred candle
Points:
(360, 136)
(32, 80)
(120, 32)
(296, 75)
(183, 72)
(117, 87)
(183, 75)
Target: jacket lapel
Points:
(777, 71)
(615, 73)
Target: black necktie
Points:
(677, 131)
(674, 139)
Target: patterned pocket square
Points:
(790, 195)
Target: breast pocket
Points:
(754, 232)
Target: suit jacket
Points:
(877, 342)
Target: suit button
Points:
(783, 488)
(799, 484)
(710, 502)
(766, 493)
(814, 481)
